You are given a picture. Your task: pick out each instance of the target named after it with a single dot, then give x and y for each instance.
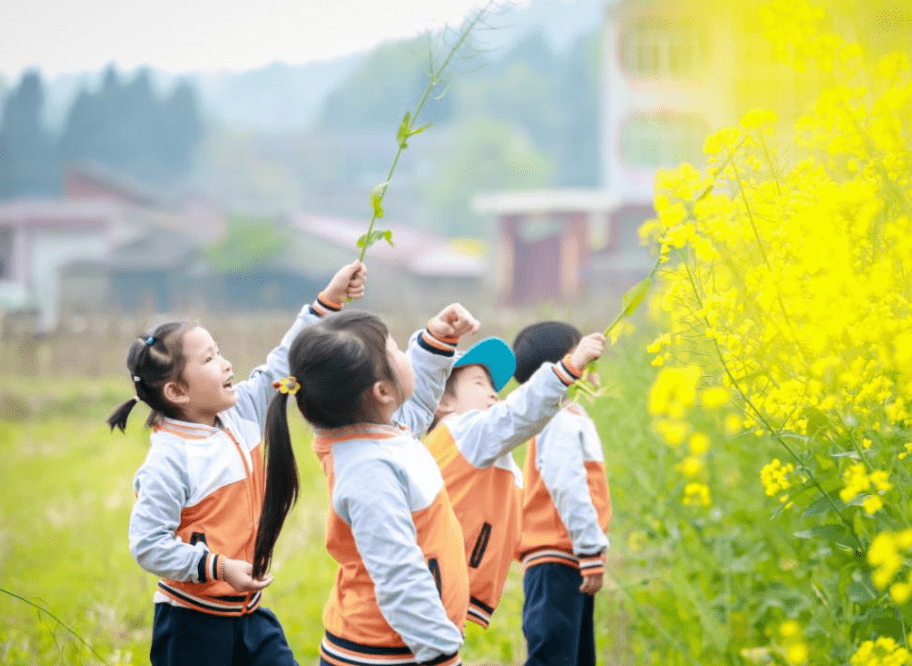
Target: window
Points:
(663, 47)
(663, 139)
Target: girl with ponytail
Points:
(200, 489)
(401, 592)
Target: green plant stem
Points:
(42, 609)
(434, 81)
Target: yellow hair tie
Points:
(289, 385)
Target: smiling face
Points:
(471, 388)
(206, 386)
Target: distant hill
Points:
(280, 97)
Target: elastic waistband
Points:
(340, 652)
(587, 565)
(233, 605)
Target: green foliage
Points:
(489, 155)
(249, 244)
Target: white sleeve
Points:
(387, 541)
(483, 435)
(255, 393)
(432, 360)
(162, 489)
(562, 466)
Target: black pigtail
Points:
(118, 419)
(281, 483)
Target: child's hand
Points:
(588, 349)
(454, 321)
(591, 584)
(347, 283)
(238, 574)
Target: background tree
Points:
(126, 126)
(28, 164)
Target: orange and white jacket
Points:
(474, 452)
(566, 505)
(401, 590)
(200, 491)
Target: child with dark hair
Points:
(473, 446)
(200, 489)
(566, 510)
(401, 591)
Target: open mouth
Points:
(229, 385)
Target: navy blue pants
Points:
(185, 637)
(557, 618)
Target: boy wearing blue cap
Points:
(471, 439)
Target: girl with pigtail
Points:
(200, 490)
(401, 592)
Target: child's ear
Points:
(176, 393)
(385, 393)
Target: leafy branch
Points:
(407, 130)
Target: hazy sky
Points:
(62, 36)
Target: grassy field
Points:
(65, 506)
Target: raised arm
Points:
(432, 352)
(255, 393)
(485, 435)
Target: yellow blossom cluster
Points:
(775, 478)
(794, 648)
(857, 481)
(882, 652)
(696, 494)
(887, 554)
(785, 292)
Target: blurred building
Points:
(108, 244)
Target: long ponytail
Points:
(281, 483)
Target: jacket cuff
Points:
(566, 371)
(444, 660)
(322, 306)
(435, 345)
(591, 565)
(211, 567)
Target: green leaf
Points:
(635, 295)
(838, 534)
(824, 505)
(376, 198)
(817, 421)
(404, 131)
(858, 593)
(420, 129)
(369, 239)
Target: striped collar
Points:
(188, 429)
(324, 439)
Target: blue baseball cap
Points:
(495, 355)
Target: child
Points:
(401, 591)
(566, 510)
(473, 444)
(200, 489)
